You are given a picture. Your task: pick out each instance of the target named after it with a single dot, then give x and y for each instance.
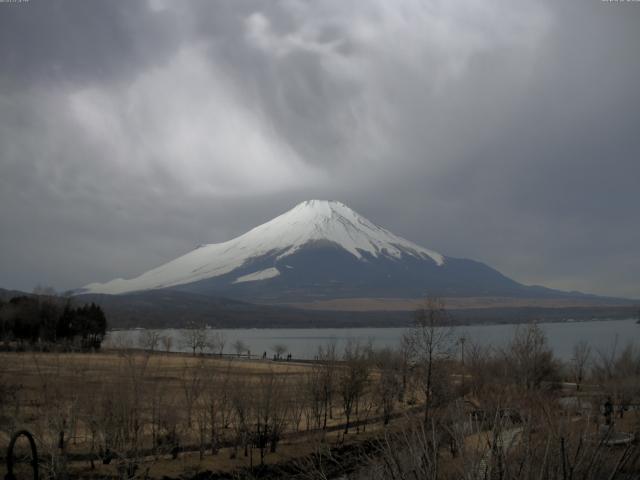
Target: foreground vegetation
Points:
(129, 409)
(435, 407)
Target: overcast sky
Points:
(507, 132)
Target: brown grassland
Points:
(162, 397)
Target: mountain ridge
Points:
(323, 250)
(309, 221)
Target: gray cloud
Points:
(504, 132)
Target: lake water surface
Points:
(303, 343)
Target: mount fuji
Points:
(321, 250)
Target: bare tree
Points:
(530, 357)
(603, 366)
(240, 347)
(136, 368)
(167, 343)
(619, 374)
(203, 422)
(194, 338)
(315, 396)
(217, 342)
(298, 402)
(352, 379)
(269, 412)
(149, 340)
(387, 383)
(58, 412)
(241, 402)
(216, 403)
(545, 444)
(192, 382)
(404, 357)
(118, 418)
(430, 343)
(328, 358)
(480, 367)
(169, 423)
(119, 341)
(579, 361)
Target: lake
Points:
(303, 343)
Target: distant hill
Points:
(8, 294)
(175, 309)
(167, 309)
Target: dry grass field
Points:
(132, 414)
(212, 413)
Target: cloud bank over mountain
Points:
(503, 132)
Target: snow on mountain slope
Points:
(260, 275)
(309, 221)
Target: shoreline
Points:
(369, 326)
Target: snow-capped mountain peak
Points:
(308, 222)
(334, 221)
